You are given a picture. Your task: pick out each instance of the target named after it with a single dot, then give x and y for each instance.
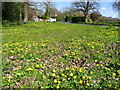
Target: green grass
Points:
(43, 31)
(56, 55)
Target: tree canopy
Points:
(85, 6)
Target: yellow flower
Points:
(20, 66)
(22, 56)
(9, 81)
(54, 70)
(3, 77)
(37, 66)
(76, 67)
(59, 81)
(0, 51)
(89, 77)
(66, 54)
(7, 60)
(92, 46)
(97, 64)
(83, 77)
(9, 77)
(73, 53)
(118, 71)
(29, 69)
(95, 60)
(18, 74)
(74, 77)
(87, 84)
(118, 64)
(63, 74)
(71, 74)
(109, 85)
(76, 53)
(101, 65)
(80, 70)
(88, 43)
(44, 76)
(17, 68)
(67, 68)
(105, 89)
(12, 51)
(114, 74)
(58, 76)
(28, 60)
(64, 79)
(80, 81)
(57, 87)
(108, 58)
(108, 69)
(73, 69)
(55, 81)
(53, 75)
(38, 59)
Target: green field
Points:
(58, 55)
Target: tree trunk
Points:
(20, 17)
(25, 11)
(85, 15)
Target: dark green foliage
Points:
(78, 19)
(45, 17)
(96, 23)
(74, 19)
(11, 11)
(68, 18)
(6, 23)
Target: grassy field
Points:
(56, 55)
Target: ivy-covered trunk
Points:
(25, 11)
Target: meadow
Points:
(58, 55)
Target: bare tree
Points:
(116, 5)
(86, 6)
(47, 4)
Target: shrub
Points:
(45, 17)
(90, 20)
(77, 19)
(68, 18)
(5, 23)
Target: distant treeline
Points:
(78, 19)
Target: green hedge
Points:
(6, 23)
(68, 19)
(74, 19)
(78, 19)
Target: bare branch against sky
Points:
(119, 14)
(54, 0)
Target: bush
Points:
(78, 19)
(90, 20)
(68, 19)
(44, 17)
(5, 23)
